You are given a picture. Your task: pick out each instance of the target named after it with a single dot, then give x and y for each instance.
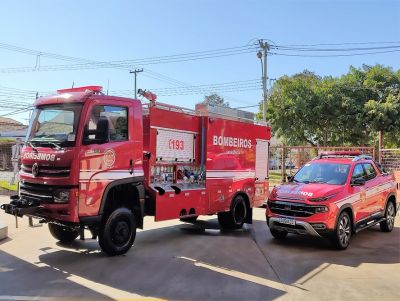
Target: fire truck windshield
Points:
(54, 125)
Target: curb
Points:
(3, 231)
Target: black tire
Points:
(190, 219)
(278, 234)
(390, 213)
(341, 237)
(118, 232)
(62, 233)
(234, 219)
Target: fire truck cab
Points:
(99, 162)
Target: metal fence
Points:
(283, 161)
(8, 180)
(286, 160)
(390, 159)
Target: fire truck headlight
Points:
(61, 196)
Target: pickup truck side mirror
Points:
(358, 182)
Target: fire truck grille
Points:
(291, 209)
(36, 192)
(48, 171)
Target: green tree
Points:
(349, 110)
(303, 110)
(215, 100)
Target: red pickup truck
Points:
(335, 195)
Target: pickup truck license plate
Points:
(287, 221)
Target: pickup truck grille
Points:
(48, 171)
(36, 192)
(291, 209)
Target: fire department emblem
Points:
(35, 170)
(109, 158)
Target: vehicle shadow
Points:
(21, 280)
(193, 262)
(185, 262)
(296, 256)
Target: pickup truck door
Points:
(360, 205)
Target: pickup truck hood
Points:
(302, 191)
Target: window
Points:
(329, 173)
(369, 171)
(358, 172)
(380, 167)
(106, 123)
(55, 124)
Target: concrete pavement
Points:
(172, 260)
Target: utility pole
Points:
(262, 55)
(136, 71)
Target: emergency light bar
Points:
(94, 89)
(340, 154)
(356, 155)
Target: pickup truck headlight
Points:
(321, 209)
(61, 196)
(321, 199)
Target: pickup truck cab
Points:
(334, 195)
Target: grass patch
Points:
(6, 185)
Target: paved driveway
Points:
(172, 260)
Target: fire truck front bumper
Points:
(20, 207)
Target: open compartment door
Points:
(262, 152)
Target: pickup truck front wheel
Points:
(342, 234)
(278, 234)
(117, 232)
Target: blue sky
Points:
(119, 30)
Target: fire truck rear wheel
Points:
(63, 234)
(117, 232)
(234, 219)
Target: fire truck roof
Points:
(76, 95)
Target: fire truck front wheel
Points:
(117, 232)
(234, 218)
(62, 233)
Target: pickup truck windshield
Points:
(329, 173)
(54, 125)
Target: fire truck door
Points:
(106, 154)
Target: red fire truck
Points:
(103, 163)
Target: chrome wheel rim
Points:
(344, 230)
(390, 214)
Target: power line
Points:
(287, 48)
(333, 55)
(124, 64)
(342, 44)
